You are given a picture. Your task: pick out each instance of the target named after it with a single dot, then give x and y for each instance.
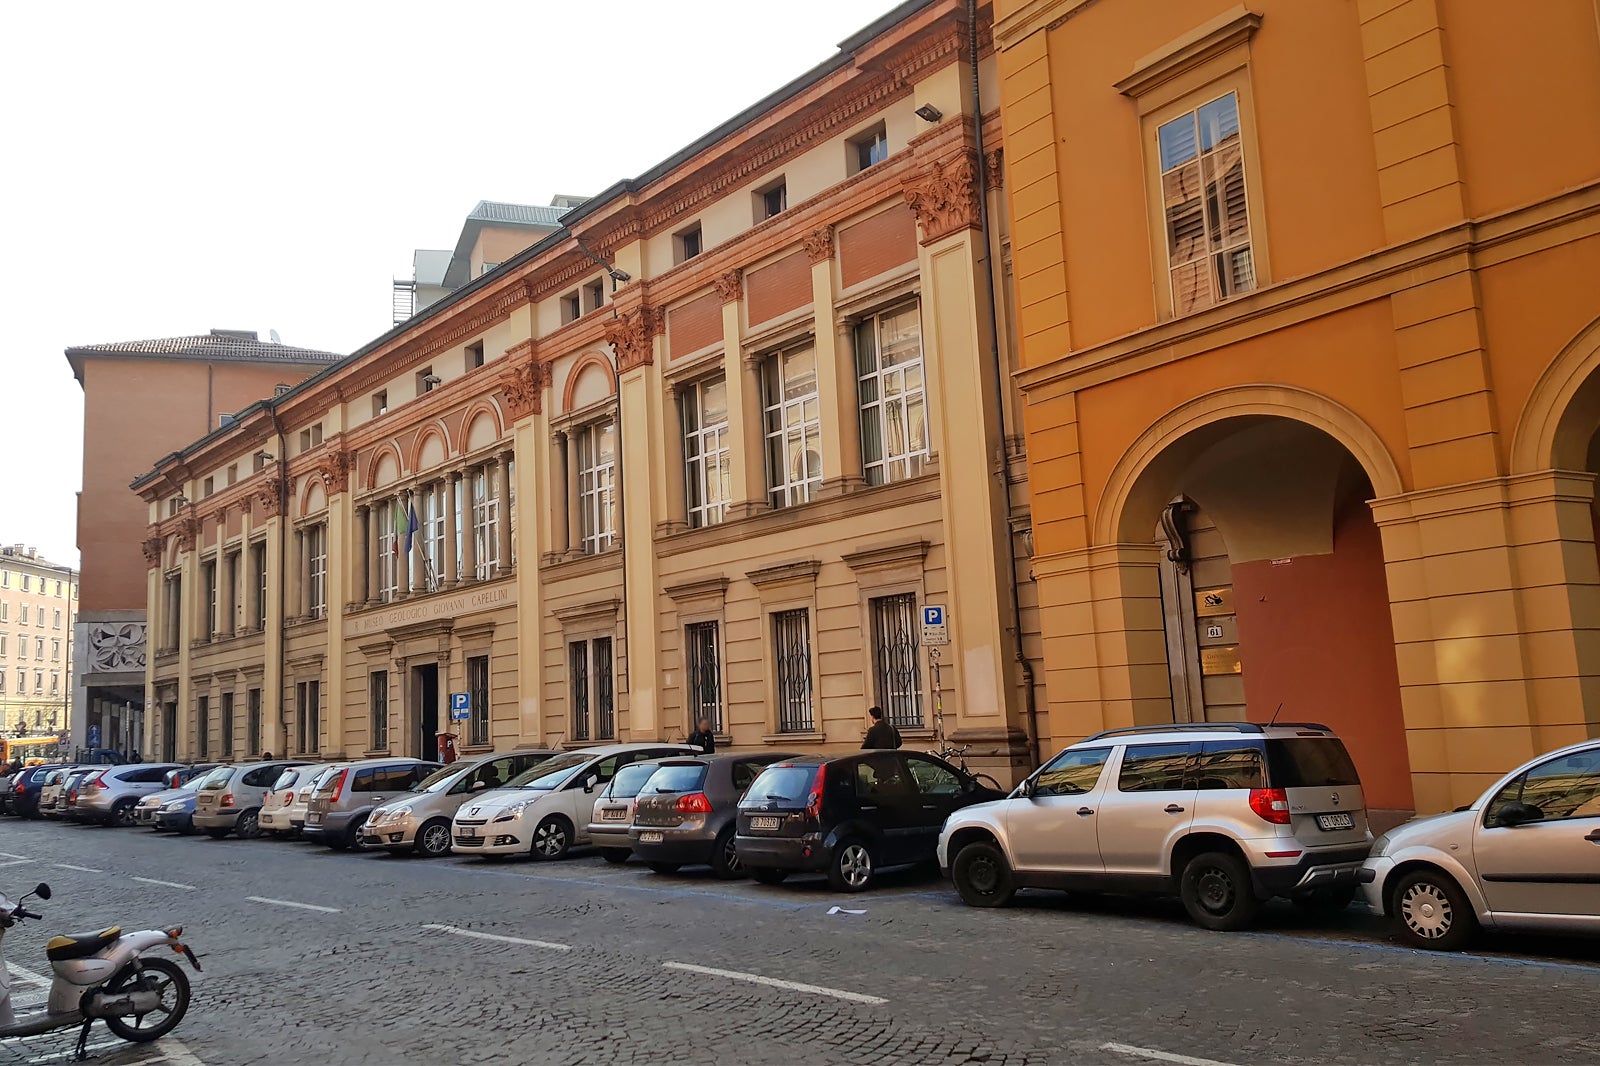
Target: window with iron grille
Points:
(708, 463)
(578, 687)
(890, 390)
(203, 713)
(791, 650)
(378, 705)
(227, 725)
(478, 693)
(252, 740)
(604, 702)
(308, 708)
(793, 425)
(597, 471)
(894, 659)
(703, 674)
(1203, 200)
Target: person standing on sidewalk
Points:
(880, 734)
(703, 738)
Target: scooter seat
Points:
(81, 945)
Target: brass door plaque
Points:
(1211, 602)
(1223, 659)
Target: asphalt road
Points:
(313, 956)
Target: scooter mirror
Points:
(41, 890)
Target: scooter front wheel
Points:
(159, 976)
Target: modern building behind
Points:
(707, 450)
(38, 605)
(142, 400)
(1311, 344)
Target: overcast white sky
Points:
(170, 168)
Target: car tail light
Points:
(694, 803)
(97, 781)
(288, 798)
(814, 801)
(1271, 804)
(21, 789)
(227, 800)
(338, 786)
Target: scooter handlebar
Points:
(23, 912)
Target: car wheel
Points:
(1217, 892)
(1432, 912)
(615, 856)
(768, 876)
(852, 868)
(248, 827)
(665, 867)
(982, 876)
(725, 856)
(1325, 902)
(351, 837)
(218, 834)
(122, 814)
(552, 839)
(433, 839)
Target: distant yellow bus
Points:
(31, 750)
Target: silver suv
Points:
(1224, 815)
(110, 796)
(342, 801)
(229, 797)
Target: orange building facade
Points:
(1310, 334)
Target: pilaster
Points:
(639, 388)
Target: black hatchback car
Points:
(685, 813)
(850, 816)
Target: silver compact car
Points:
(1524, 856)
(229, 798)
(419, 820)
(275, 805)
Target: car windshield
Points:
(780, 784)
(631, 779)
(552, 773)
(440, 779)
(678, 778)
(1310, 762)
(285, 779)
(217, 778)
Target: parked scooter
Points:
(101, 975)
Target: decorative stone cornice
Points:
(730, 286)
(818, 245)
(945, 196)
(630, 336)
(335, 468)
(152, 550)
(805, 570)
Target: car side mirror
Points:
(479, 786)
(1515, 814)
(1025, 790)
(590, 783)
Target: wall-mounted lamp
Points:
(181, 500)
(929, 113)
(432, 380)
(619, 275)
(265, 457)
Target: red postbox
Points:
(447, 747)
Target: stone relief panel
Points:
(116, 647)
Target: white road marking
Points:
(14, 855)
(474, 934)
(773, 982)
(167, 884)
(292, 903)
(80, 869)
(171, 1051)
(1160, 1056)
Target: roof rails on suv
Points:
(1203, 727)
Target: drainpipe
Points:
(1000, 383)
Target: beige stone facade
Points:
(706, 451)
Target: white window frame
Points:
(388, 562)
(785, 423)
(707, 455)
(485, 523)
(317, 535)
(596, 491)
(891, 413)
(1214, 253)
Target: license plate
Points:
(649, 838)
(765, 823)
(468, 831)
(1336, 821)
(313, 818)
(615, 814)
(207, 802)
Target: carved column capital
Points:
(335, 468)
(818, 245)
(522, 390)
(945, 196)
(630, 334)
(152, 550)
(730, 286)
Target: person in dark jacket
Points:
(881, 734)
(703, 738)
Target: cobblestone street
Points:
(457, 961)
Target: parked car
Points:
(1224, 815)
(688, 812)
(540, 812)
(294, 815)
(176, 802)
(1524, 856)
(67, 793)
(613, 811)
(849, 816)
(6, 782)
(342, 801)
(274, 816)
(229, 797)
(419, 820)
(109, 796)
(183, 774)
(40, 792)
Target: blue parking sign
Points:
(460, 706)
(933, 616)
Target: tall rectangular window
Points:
(23, 614)
(308, 715)
(389, 565)
(431, 536)
(38, 648)
(55, 683)
(230, 610)
(605, 708)
(209, 573)
(791, 652)
(896, 678)
(1203, 201)
(597, 473)
(227, 725)
(703, 673)
(57, 622)
(889, 385)
(203, 726)
(252, 737)
(590, 687)
(55, 650)
(378, 704)
(317, 545)
(478, 693)
(578, 687)
(485, 520)
(792, 422)
(258, 574)
(708, 464)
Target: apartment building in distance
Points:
(708, 450)
(142, 400)
(1310, 338)
(38, 605)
